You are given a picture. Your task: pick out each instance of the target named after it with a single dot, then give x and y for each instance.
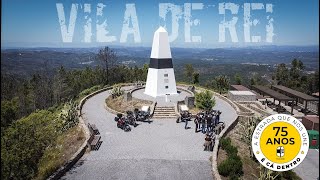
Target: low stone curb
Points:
(111, 110)
(215, 151)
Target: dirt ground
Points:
(120, 105)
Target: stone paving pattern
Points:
(162, 149)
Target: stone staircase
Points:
(164, 113)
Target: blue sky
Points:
(35, 23)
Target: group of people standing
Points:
(205, 121)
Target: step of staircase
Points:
(164, 113)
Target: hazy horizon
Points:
(38, 24)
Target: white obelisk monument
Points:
(160, 80)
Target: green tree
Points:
(222, 83)
(145, 72)
(238, 79)
(61, 87)
(256, 80)
(188, 70)
(295, 74)
(9, 111)
(315, 82)
(23, 144)
(204, 100)
(108, 58)
(282, 74)
(252, 82)
(195, 78)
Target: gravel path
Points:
(162, 149)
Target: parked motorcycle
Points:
(141, 115)
(119, 116)
(131, 119)
(122, 124)
(185, 116)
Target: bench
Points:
(93, 129)
(94, 141)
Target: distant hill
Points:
(26, 61)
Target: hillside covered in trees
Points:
(40, 112)
(39, 99)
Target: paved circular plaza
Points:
(162, 149)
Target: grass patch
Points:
(55, 156)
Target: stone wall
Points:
(242, 97)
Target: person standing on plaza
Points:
(186, 121)
(207, 142)
(214, 120)
(196, 122)
(218, 117)
(203, 123)
(209, 123)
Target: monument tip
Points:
(161, 29)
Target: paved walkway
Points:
(309, 168)
(160, 150)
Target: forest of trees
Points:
(20, 97)
(31, 109)
(294, 77)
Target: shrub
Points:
(232, 166)
(24, 142)
(224, 142)
(289, 175)
(204, 100)
(237, 165)
(69, 115)
(234, 177)
(224, 168)
(90, 90)
(231, 150)
(116, 91)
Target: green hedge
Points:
(232, 166)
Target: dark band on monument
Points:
(160, 63)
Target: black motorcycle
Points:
(141, 115)
(123, 124)
(131, 119)
(185, 116)
(119, 116)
